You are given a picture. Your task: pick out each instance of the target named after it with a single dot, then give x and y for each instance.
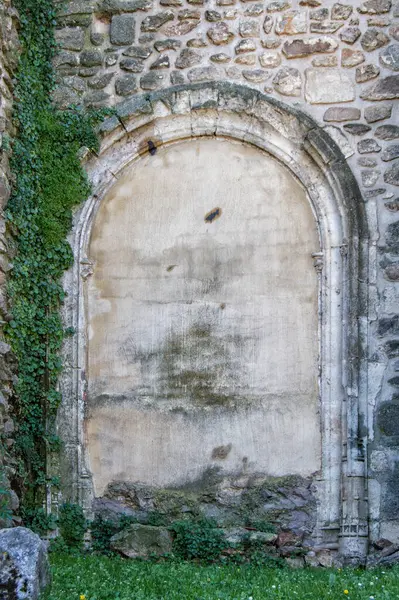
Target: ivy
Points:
(49, 182)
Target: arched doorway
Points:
(325, 220)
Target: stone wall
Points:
(337, 62)
(9, 51)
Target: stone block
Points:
(327, 86)
(188, 58)
(70, 38)
(342, 113)
(368, 145)
(325, 26)
(288, 82)
(142, 541)
(390, 153)
(389, 57)
(341, 11)
(24, 566)
(122, 30)
(199, 74)
(375, 7)
(386, 88)
(391, 176)
(132, 65)
(151, 81)
(291, 23)
(379, 112)
(350, 34)
(249, 28)
(373, 39)
(278, 6)
(305, 47)
(255, 75)
(269, 60)
(351, 58)
(125, 6)
(219, 34)
(161, 63)
(126, 85)
(91, 58)
(387, 132)
(357, 128)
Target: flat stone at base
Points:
(141, 541)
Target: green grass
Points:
(101, 578)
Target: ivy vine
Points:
(48, 182)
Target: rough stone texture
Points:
(124, 86)
(386, 88)
(368, 146)
(70, 38)
(375, 7)
(379, 112)
(288, 82)
(342, 113)
(387, 132)
(391, 175)
(389, 57)
(300, 48)
(24, 566)
(142, 541)
(390, 153)
(122, 30)
(366, 73)
(373, 39)
(219, 34)
(350, 34)
(351, 58)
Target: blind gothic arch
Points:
(239, 113)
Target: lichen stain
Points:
(212, 215)
(221, 452)
(198, 366)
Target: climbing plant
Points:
(48, 182)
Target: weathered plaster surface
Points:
(203, 319)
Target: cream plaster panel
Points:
(202, 334)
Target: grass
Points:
(102, 578)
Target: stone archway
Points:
(236, 113)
